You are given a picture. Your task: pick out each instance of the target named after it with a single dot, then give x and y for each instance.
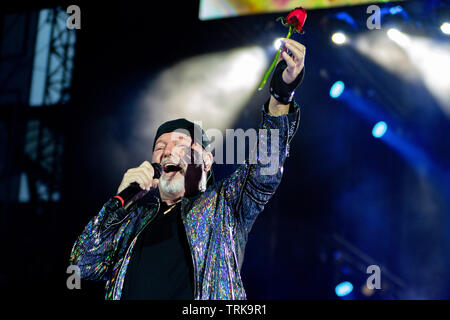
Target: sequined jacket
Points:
(217, 223)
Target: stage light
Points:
(343, 289)
(412, 58)
(339, 38)
(337, 255)
(379, 129)
(336, 89)
(212, 88)
(445, 28)
(345, 270)
(277, 43)
(395, 10)
(398, 37)
(366, 291)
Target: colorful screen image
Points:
(217, 9)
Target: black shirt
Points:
(161, 264)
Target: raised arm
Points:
(251, 186)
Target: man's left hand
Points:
(296, 62)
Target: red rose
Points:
(296, 18)
(295, 21)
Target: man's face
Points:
(180, 172)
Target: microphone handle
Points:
(133, 189)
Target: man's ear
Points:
(207, 160)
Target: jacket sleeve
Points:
(251, 186)
(94, 250)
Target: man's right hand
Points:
(143, 175)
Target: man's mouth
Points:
(171, 167)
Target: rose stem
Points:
(263, 82)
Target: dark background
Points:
(346, 199)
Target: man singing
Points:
(188, 240)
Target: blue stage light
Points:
(343, 289)
(336, 89)
(379, 129)
(336, 255)
(345, 270)
(395, 10)
(344, 16)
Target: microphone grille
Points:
(158, 170)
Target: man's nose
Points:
(168, 150)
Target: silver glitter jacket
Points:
(217, 223)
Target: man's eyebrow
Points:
(182, 138)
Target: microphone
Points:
(133, 189)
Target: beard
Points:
(171, 185)
(178, 184)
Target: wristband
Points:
(281, 90)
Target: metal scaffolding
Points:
(60, 58)
(35, 155)
(44, 143)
